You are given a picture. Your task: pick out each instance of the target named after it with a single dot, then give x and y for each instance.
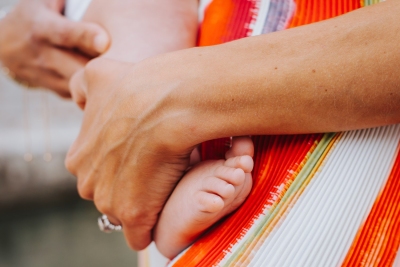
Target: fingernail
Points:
(100, 43)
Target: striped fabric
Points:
(317, 200)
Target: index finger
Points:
(87, 37)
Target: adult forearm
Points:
(336, 75)
(140, 29)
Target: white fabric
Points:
(75, 9)
(151, 257)
(258, 24)
(203, 4)
(397, 261)
(320, 228)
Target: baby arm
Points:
(143, 28)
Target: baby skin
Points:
(209, 191)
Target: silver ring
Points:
(106, 226)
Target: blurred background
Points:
(43, 222)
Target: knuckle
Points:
(36, 32)
(138, 225)
(61, 35)
(84, 190)
(70, 163)
(64, 36)
(102, 203)
(135, 217)
(129, 217)
(35, 36)
(41, 61)
(86, 36)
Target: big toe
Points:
(241, 145)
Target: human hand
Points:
(133, 146)
(42, 48)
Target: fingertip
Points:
(90, 38)
(95, 38)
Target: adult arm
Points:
(38, 45)
(335, 75)
(138, 29)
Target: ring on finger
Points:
(106, 226)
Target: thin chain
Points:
(46, 119)
(28, 157)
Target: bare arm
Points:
(140, 29)
(336, 75)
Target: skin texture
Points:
(39, 46)
(142, 121)
(149, 28)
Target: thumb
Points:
(57, 30)
(78, 88)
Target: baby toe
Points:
(218, 187)
(234, 176)
(208, 202)
(241, 145)
(245, 163)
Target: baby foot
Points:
(208, 192)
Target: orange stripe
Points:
(378, 240)
(226, 20)
(216, 18)
(309, 11)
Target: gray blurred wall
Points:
(27, 125)
(42, 220)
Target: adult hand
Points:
(131, 150)
(42, 48)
